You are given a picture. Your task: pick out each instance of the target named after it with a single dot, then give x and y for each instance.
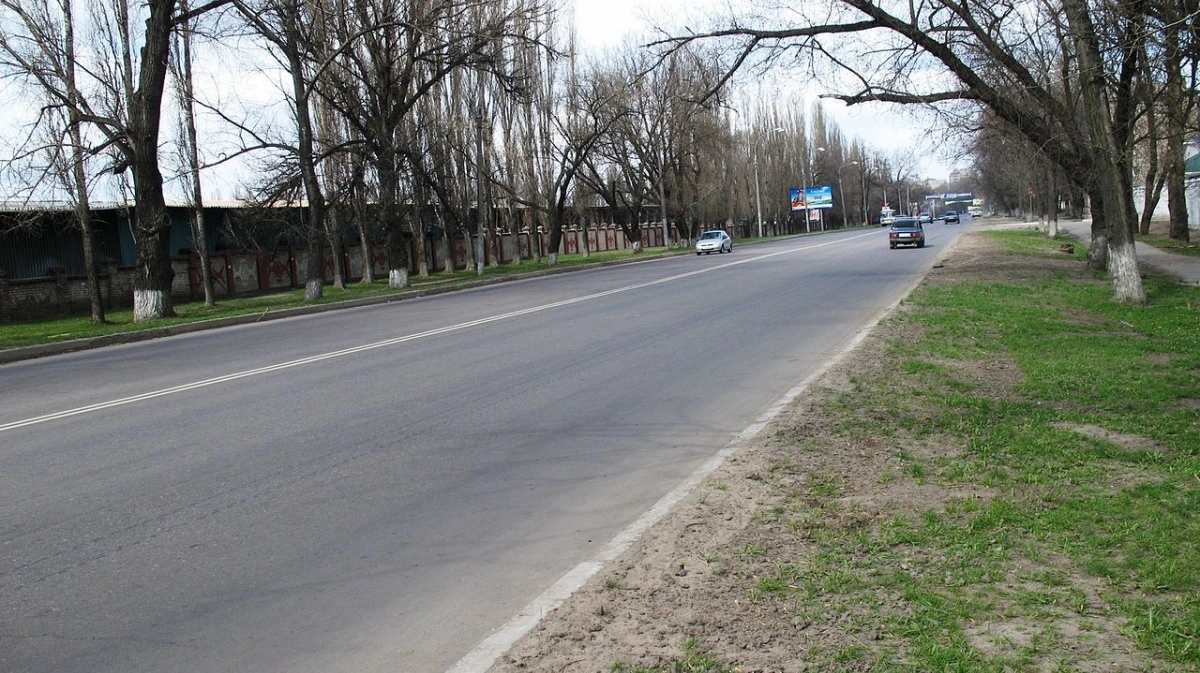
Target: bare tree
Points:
(397, 53)
(664, 147)
(61, 125)
(123, 102)
(288, 25)
(570, 114)
(980, 49)
(190, 148)
(1179, 103)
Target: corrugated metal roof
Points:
(62, 206)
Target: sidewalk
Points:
(1184, 267)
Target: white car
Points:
(714, 241)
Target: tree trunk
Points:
(1054, 210)
(493, 233)
(481, 207)
(83, 218)
(368, 255)
(1122, 258)
(314, 276)
(78, 176)
(450, 263)
(333, 230)
(421, 240)
(360, 220)
(314, 268)
(199, 230)
(1176, 132)
(397, 259)
(556, 237)
(535, 237)
(152, 231)
(1097, 253)
(1150, 192)
(514, 233)
(421, 207)
(583, 226)
(389, 221)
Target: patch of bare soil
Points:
(709, 571)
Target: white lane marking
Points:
(100, 406)
(485, 654)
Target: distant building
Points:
(1191, 182)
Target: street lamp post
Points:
(842, 192)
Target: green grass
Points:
(1078, 537)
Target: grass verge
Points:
(1008, 481)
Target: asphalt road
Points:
(379, 488)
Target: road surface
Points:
(377, 489)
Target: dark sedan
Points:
(906, 231)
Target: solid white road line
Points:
(490, 649)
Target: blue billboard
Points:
(812, 198)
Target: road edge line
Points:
(488, 651)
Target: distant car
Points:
(906, 231)
(951, 217)
(714, 241)
(925, 218)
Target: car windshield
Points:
(711, 234)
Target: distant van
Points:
(975, 211)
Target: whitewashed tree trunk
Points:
(313, 289)
(1124, 273)
(1097, 253)
(398, 278)
(1052, 218)
(149, 304)
(1097, 119)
